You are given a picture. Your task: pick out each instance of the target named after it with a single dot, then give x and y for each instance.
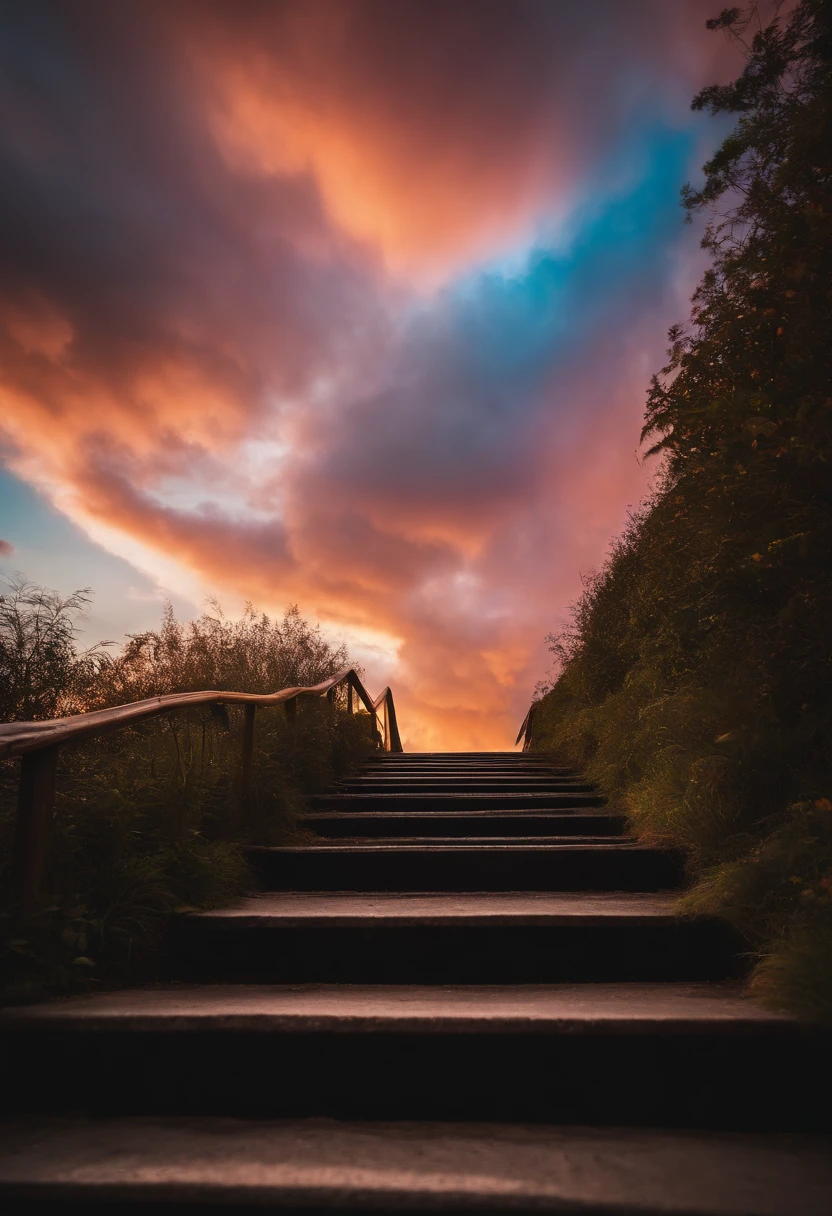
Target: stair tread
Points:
(462, 795)
(470, 789)
(472, 842)
(460, 800)
(349, 907)
(466, 779)
(590, 814)
(479, 774)
(568, 1008)
(429, 844)
(417, 1166)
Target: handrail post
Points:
(395, 742)
(35, 803)
(247, 761)
(527, 741)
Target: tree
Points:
(747, 389)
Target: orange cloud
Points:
(245, 329)
(400, 128)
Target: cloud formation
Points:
(350, 303)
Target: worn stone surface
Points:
(537, 845)
(485, 825)
(395, 1041)
(472, 841)
(555, 1008)
(437, 907)
(418, 1165)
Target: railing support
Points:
(387, 728)
(37, 744)
(35, 804)
(247, 763)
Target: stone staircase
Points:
(467, 992)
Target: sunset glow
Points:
(344, 303)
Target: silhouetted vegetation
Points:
(149, 818)
(695, 681)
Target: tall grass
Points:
(149, 819)
(696, 695)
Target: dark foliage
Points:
(695, 679)
(149, 818)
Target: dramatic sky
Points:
(344, 303)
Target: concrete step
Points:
(463, 785)
(383, 938)
(496, 783)
(534, 777)
(461, 867)
(463, 770)
(569, 779)
(668, 1055)
(477, 755)
(459, 781)
(479, 842)
(339, 824)
(450, 760)
(500, 769)
(515, 759)
(210, 1164)
(457, 802)
(389, 771)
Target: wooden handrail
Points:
(37, 743)
(18, 738)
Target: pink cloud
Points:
(259, 228)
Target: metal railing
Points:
(37, 744)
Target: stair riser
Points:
(514, 824)
(687, 1079)
(456, 802)
(467, 770)
(485, 869)
(463, 786)
(211, 950)
(463, 777)
(459, 760)
(510, 758)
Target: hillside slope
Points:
(695, 682)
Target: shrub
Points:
(149, 818)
